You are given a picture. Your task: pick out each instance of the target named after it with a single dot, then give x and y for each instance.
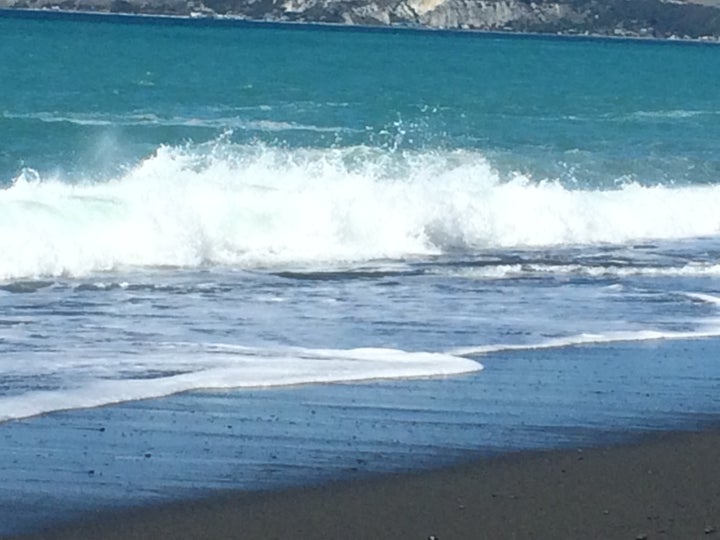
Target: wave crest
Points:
(257, 205)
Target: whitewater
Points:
(177, 222)
(257, 206)
(245, 241)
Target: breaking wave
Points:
(257, 205)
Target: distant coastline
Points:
(240, 21)
(641, 19)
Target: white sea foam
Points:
(508, 271)
(221, 368)
(674, 114)
(149, 119)
(257, 206)
(704, 297)
(589, 339)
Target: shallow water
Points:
(197, 208)
(65, 465)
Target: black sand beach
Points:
(665, 486)
(479, 456)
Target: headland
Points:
(652, 19)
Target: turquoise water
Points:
(586, 112)
(209, 207)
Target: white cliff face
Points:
(468, 14)
(293, 6)
(370, 12)
(492, 15)
(477, 14)
(421, 7)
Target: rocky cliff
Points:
(650, 18)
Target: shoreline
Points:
(229, 21)
(214, 447)
(664, 485)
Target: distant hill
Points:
(636, 18)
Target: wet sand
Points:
(664, 486)
(233, 457)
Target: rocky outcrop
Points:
(649, 18)
(492, 15)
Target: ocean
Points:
(491, 242)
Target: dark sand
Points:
(666, 486)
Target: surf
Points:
(185, 367)
(258, 205)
